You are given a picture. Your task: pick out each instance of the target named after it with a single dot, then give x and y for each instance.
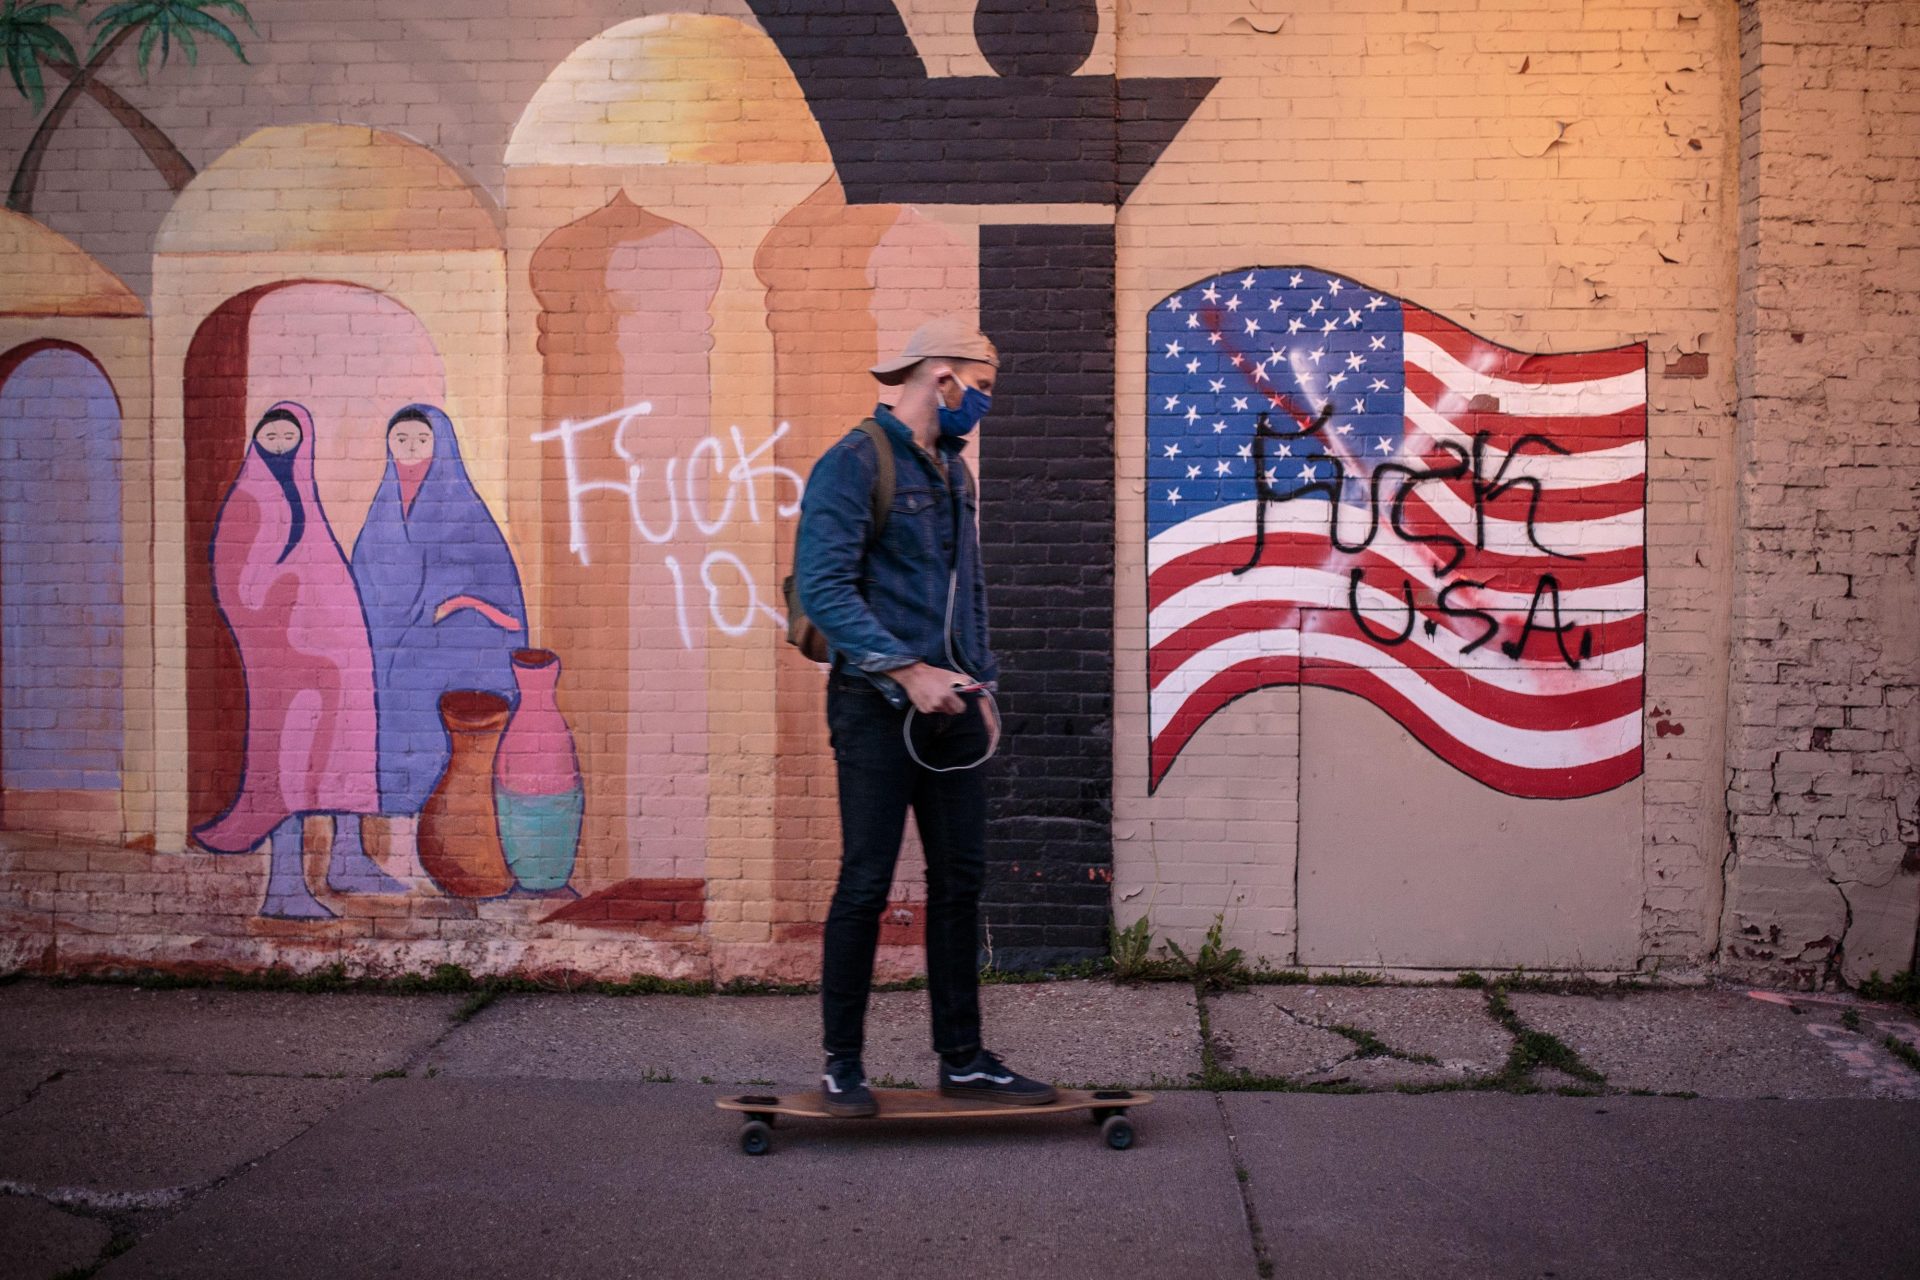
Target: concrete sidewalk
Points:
(190, 1132)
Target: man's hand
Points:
(931, 688)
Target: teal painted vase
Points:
(537, 793)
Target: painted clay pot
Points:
(459, 832)
(537, 794)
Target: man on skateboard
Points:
(909, 700)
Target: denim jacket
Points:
(885, 606)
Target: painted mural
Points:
(348, 664)
(431, 452)
(1347, 490)
(442, 602)
(35, 39)
(382, 581)
(61, 616)
(284, 591)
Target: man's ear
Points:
(940, 373)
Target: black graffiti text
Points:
(1388, 489)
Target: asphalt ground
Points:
(1309, 1131)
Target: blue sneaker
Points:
(987, 1079)
(844, 1087)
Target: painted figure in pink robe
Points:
(285, 591)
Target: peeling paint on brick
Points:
(1823, 740)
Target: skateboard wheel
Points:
(1118, 1131)
(756, 1139)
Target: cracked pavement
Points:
(203, 1131)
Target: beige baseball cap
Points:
(952, 337)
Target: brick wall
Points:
(724, 210)
(1555, 177)
(1045, 296)
(1824, 727)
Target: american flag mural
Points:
(1346, 490)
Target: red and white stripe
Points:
(1529, 726)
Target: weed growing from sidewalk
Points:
(1078, 971)
(888, 1082)
(1552, 984)
(1903, 988)
(1209, 1062)
(1850, 1019)
(1262, 976)
(474, 1004)
(757, 987)
(1532, 1049)
(1131, 958)
(1240, 1080)
(1216, 1078)
(1902, 1050)
(1369, 1045)
(1215, 966)
(1132, 950)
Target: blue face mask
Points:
(974, 404)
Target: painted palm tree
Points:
(29, 37)
(31, 40)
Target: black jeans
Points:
(878, 782)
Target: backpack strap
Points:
(883, 480)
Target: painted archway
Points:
(681, 145)
(282, 342)
(62, 572)
(845, 286)
(75, 367)
(673, 138)
(369, 216)
(625, 332)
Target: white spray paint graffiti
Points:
(683, 484)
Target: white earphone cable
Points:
(953, 664)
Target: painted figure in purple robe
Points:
(442, 598)
(285, 592)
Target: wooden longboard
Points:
(1108, 1108)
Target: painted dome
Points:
(49, 275)
(327, 188)
(675, 88)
